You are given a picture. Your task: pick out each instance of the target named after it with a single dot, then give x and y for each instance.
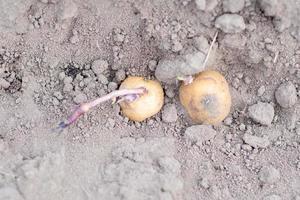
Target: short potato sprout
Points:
(139, 99)
(206, 99)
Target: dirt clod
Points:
(230, 23)
(269, 175)
(255, 141)
(262, 113)
(286, 95)
(233, 6)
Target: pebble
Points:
(211, 5)
(61, 76)
(58, 95)
(68, 87)
(233, 6)
(152, 65)
(201, 4)
(203, 182)
(177, 46)
(201, 43)
(80, 98)
(272, 197)
(99, 66)
(170, 93)
(169, 113)
(246, 147)
(262, 113)
(112, 86)
(286, 95)
(74, 39)
(67, 9)
(168, 69)
(261, 90)
(120, 75)
(256, 141)
(198, 134)
(269, 175)
(102, 79)
(228, 121)
(242, 127)
(4, 84)
(230, 23)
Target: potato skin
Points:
(207, 99)
(146, 105)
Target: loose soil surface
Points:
(56, 54)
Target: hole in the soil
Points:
(15, 86)
(72, 71)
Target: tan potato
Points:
(207, 99)
(146, 105)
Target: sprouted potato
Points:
(206, 98)
(139, 99)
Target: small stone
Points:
(261, 90)
(201, 4)
(233, 6)
(80, 98)
(286, 95)
(61, 76)
(58, 95)
(74, 39)
(102, 79)
(262, 113)
(112, 86)
(246, 147)
(198, 134)
(228, 121)
(228, 137)
(168, 69)
(169, 113)
(230, 23)
(201, 43)
(256, 141)
(152, 65)
(270, 7)
(4, 84)
(170, 93)
(99, 66)
(272, 197)
(203, 182)
(68, 87)
(119, 37)
(67, 9)
(120, 75)
(211, 5)
(269, 175)
(177, 46)
(242, 127)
